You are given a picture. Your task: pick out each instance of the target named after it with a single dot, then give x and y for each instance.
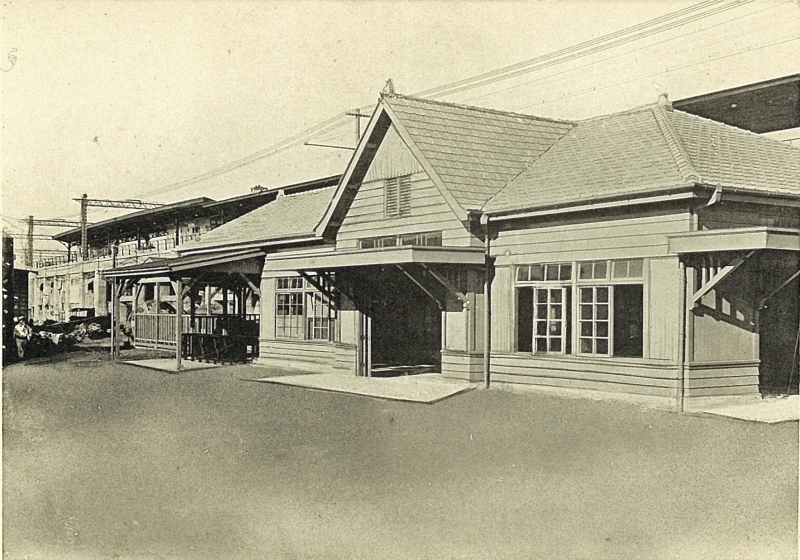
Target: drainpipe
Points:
(682, 340)
(487, 307)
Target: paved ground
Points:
(422, 388)
(117, 461)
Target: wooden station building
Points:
(650, 254)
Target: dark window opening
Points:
(525, 319)
(629, 320)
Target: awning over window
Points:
(739, 239)
(376, 257)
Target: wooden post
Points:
(487, 312)
(114, 319)
(178, 323)
(684, 311)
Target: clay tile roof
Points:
(474, 151)
(288, 217)
(646, 151)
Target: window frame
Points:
(316, 319)
(605, 275)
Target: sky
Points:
(134, 99)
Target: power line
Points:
(605, 42)
(631, 51)
(749, 49)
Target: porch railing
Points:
(158, 329)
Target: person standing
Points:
(22, 335)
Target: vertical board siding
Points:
(267, 308)
(503, 311)
(663, 308)
(392, 159)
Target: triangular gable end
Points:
(382, 120)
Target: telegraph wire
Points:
(632, 51)
(568, 53)
(749, 49)
(582, 49)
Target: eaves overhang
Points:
(406, 254)
(689, 191)
(736, 239)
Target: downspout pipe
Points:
(487, 308)
(681, 392)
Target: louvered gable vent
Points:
(398, 196)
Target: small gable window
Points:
(397, 194)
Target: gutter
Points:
(686, 195)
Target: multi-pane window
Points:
(429, 239)
(301, 311)
(594, 319)
(550, 314)
(597, 311)
(289, 315)
(543, 308)
(397, 196)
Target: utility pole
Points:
(132, 203)
(84, 228)
(31, 236)
(358, 115)
(29, 251)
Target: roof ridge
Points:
(685, 166)
(531, 164)
(388, 97)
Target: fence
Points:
(158, 329)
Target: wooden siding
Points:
(613, 238)
(612, 375)
(267, 329)
(392, 159)
(717, 379)
(305, 355)
(462, 365)
(503, 309)
(663, 309)
(429, 212)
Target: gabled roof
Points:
(289, 217)
(474, 151)
(470, 153)
(649, 150)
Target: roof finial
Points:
(388, 89)
(663, 101)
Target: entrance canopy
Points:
(404, 254)
(738, 239)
